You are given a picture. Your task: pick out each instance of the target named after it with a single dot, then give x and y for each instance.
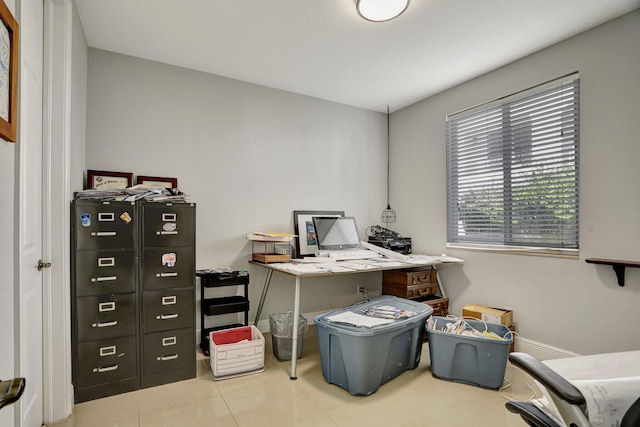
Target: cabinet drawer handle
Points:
(165, 358)
(107, 351)
(107, 262)
(167, 316)
(169, 300)
(105, 369)
(104, 324)
(103, 233)
(104, 279)
(168, 217)
(166, 274)
(164, 233)
(106, 216)
(107, 306)
(169, 341)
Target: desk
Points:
(373, 266)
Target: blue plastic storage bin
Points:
(466, 359)
(361, 359)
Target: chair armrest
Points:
(548, 377)
(632, 416)
(531, 414)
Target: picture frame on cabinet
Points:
(9, 46)
(157, 181)
(306, 240)
(103, 180)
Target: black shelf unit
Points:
(221, 305)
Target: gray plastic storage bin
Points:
(361, 359)
(281, 327)
(470, 360)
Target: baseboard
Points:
(541, 351)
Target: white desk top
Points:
(305, 269)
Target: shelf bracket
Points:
(618, 266)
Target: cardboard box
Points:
(488, 314)
(236, 351)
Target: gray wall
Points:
(7, 279)
(565, 303)
(247, 155)
(8, 171)
(78, 130)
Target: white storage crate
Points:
(236, 351)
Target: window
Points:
(512, 171)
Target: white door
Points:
(29, 145)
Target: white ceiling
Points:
(322, 48)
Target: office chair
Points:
(10, 391)
(569, 401)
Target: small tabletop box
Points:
(271, 251)
(271, 247)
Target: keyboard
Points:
(347, 254)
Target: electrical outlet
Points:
(360, 290)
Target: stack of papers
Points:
(356, 319)
(131, 194)
(388, 312)
(270, 236)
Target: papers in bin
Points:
(356, 319)
(388, 312)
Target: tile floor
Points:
(270, 398)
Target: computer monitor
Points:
(334, 233)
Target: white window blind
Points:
(512, 169)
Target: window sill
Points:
(518, 250)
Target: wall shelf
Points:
(618, 266)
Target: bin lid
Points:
(353, 318)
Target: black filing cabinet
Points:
(133, 295)
(168, 292)
(104, 298)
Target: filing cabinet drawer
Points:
(106, 316)
(440, 305)
(168, 350)
(168, 268)
(105, 361)
(107, 225)
(168, 224)
(105, 272)
(410, 283)
(168, 309)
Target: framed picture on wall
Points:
(157, 181)
(306, 240)
(103, 180)
(8, 74)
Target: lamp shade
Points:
(381, 10)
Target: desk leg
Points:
(265, 289)
(294, 340)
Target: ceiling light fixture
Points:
(381, 10)
(388, 215)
